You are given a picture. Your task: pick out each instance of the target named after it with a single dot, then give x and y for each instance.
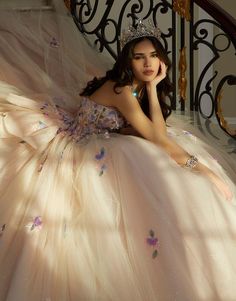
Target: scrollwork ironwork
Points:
(83, 13)
(106, 30)
(204, 85)
(230, 80)
(207, 92)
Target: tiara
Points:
(138, 31)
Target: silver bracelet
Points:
(191, 162)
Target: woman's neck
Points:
(137, 89)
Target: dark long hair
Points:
(121, 74)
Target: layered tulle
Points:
(112, 218)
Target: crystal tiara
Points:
(140, 30)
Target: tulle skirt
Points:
(108, 219)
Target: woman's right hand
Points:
(160, 76)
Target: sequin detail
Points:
(153, 242)
(89, 119)
(41, 125)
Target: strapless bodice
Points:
(90, 118)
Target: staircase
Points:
(200, 37)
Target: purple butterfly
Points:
(101, 154)
(36, 223)
(152, 241)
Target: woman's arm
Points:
(129, 107)
(129, 130)
(172, 148)
(154, 105)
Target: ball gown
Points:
(89, 214)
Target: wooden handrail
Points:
(227, 22)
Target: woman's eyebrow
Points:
(142, 53)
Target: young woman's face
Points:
(145, 62)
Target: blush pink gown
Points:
(88, 214)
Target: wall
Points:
(22, 3)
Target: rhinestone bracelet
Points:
(191, 162)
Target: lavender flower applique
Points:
(36, 224)
(100, 158)
(153, 242)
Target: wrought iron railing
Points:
(216, 34)
(106, 29)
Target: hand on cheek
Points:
(160, 75)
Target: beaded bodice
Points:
(90, 118)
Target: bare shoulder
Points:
(123, 100)
(106, 95)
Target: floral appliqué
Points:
(36, 224)
(100, 157)
(153, 242)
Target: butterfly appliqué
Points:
(101, 160)
(153, 242)
(35, 224)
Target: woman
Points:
(88, 213)
(122, 87)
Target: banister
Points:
(227, 22)
(220, 78)
(83, 12)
